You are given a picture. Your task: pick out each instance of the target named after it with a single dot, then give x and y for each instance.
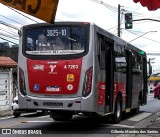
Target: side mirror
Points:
(19, 33)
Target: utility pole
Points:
(119, 24)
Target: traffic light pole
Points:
(119, 24)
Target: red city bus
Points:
(77, 67)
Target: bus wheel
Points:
(116, 118)
(16, 114)
(61, 115)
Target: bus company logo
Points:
(70, 77)
(38, 67)
(70, 87)
(36, 87)
(52, 67)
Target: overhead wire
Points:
(9, 36)
(8, 32)
(138, 14)
(8, 40)
(9, 25)
(22, 14)
(106, 5)
(143, 36)
(11, 19)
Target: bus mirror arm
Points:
(150, 69)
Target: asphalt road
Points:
(80, 125)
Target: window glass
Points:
(55, 41)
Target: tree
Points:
(150, 4)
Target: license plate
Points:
(52, 103)
(53, 89)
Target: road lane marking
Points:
(140, 117)
(39, 121)
(118, 125)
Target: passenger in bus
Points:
(41, 43)
(58, 44)
(29, 45)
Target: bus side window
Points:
(136, 64)
(140, 63)
(120, 63)
(120, 58)
(101, 51)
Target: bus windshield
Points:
(55, 40)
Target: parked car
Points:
(157, 92)
(17, 112)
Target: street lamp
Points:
(141, 35)
(151, 59)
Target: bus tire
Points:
(16, 114)
(61, 115)
(116, 118)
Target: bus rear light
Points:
(101, 93)
(85, 23)
(22, 82)
(87, 83)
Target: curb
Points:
(5, 113)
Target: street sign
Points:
(42, 9)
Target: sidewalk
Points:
(5, 113)
(151, 123)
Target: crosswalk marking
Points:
(140, 117)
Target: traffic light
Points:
(128, 21)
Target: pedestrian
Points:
(157, 91)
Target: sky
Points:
(104, 13)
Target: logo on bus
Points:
(70, 87)
(38, 67)
(36, 87)
(70, 77)
(52, 89)
(52, 67)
